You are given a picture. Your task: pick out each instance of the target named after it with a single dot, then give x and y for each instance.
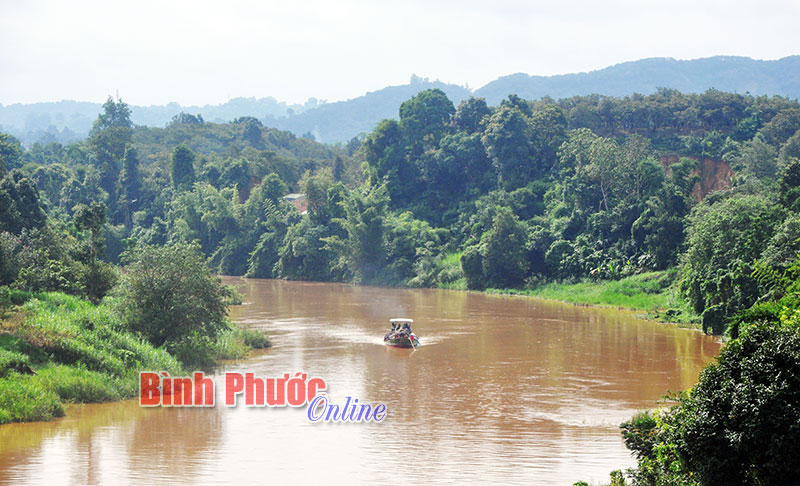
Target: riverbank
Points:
(655, 294)
(56, 349)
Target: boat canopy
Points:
(401, 319)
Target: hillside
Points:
(68, 121)
(725, 73)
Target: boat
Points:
(400, 339)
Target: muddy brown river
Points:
(503, 390)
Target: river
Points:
(503, 390)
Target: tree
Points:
(108, 139)
(169, 295)
(338, 168)
(20, 206)
(316, 189)
(182, 168)
(740, 423)
(10, 153)
(548, 128)
(361, 253)
(387, 162)
(130, 186)
(507, 139)
(470, 114)
(472, 267)
(99, 278)
(424, 120)
(789, 185)
(303, 255)
(504, 251)
(458, 164)
(724, 240)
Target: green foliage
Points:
(724, 239)
(303, 254)
(470, 114)
(789, 185)
(10, 153)
(504, 251)
(27, 399)
(100, 277)
(507, 141)
(740, 422)
(472, 267)
(424, 119)
(130, 186)
(108, 140)
(362, 252)
(20, 207)
(169, 295)
(182, 168)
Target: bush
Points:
(169, 295)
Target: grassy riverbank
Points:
(654, 293)
(56, 348)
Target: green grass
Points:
(24, 398)
(79, 385)
(59, 348)
(653, 292)
(238, 341)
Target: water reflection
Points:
(505, 389)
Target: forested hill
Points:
(724, 73)
(69, 121)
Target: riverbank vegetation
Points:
(654, 293)
(57, 348)
(685, 205)
(523, 196)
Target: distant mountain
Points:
(725, 73)
(343, 120)
(67, 121)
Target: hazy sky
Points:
(203, 52)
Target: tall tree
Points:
(110, 135)
(424, 120)
(93, 218)
(130, 186)
(182, 168)
(470, 114)
(507, 139)
(10, 153)
(362, 253)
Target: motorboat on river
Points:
(401, 335)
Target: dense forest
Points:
(474, 196)
(700, 192)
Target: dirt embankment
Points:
(715, 175)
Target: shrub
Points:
(169, 294)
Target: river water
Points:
(503, 390)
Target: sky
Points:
(207, 52)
